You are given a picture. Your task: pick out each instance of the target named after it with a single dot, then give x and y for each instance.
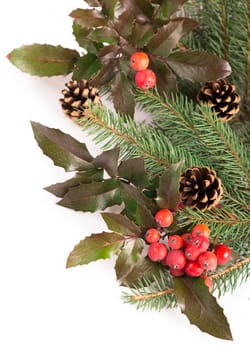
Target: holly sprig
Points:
(109, 32)
(140, 196)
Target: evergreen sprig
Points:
(227, 35)
(135, 139)
(198, 129)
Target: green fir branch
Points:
(227, 35)
(229, 279)
(203, 135)
(134, 139)
(150, 295)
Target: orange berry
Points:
(139, 61)
(152, 235)
(164, 217)
(201, 230)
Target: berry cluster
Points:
(188, 254)
(144, 78)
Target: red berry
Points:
(193, 269)
(164, 217)
(208, 282)
(176, 272)
(145, 79)
(191, 253)
(157, 251)
(176, 259)
(187, 238)
(223, 253)
(208, 261)
(200, 242)
(175, 241)
(139, 61)
(152, 235)
(200, 230)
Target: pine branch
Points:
(229, 223)
(204, 136)
(158, 295)
(134, 139)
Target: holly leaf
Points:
(108, 8)
(132, 196)
(201, 307)
(44, 60)
(167, 37)
(86, 67)
(81, 36)
(140, 8)
(141, 34)
(88, 18)
(198, 66)
(124, 24)
(128, 258)
(144, 268)
(105, 74)
(168, 7)
(60, 189)
(95, 247)
(64, 150)
(121, 224)
(108, 53)
(104, 35)
(166, 80)
(108, 160)
(168, 190)
(133, 170)
(144, 217)
(122, 95)
(94, 196)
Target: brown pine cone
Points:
(200, 188)
(76, 98)
(221, 97)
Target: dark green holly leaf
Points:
(198, 66)
(108, 53)
(133, 170)
(129, 257)
(64, 150)
(131, 197)
(44, 60)
(167, 37)
(88, 18)
(81, 36)
(144, 218)
(143, 9)
(168, 191)
(141, 34)
(108, 160)
(121, 224)
(201, 307)
(105, 74)
(124, 24)
(60, 189)
(168, 7)
(86, 67)
(95, 247)
(144, 268)
(104, 35)
(94, 196)
(123, 97)
(166, 80)
(108, 8)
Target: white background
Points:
(43, 305)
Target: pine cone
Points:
(77, 97)
(221, 97)
(199, 187)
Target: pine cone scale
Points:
(200, 188)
